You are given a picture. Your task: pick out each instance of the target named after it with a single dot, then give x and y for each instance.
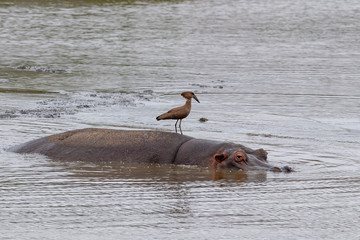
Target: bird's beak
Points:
(196, 98)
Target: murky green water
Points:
(281, 75)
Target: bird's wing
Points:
(175, 110)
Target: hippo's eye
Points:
(240, 158)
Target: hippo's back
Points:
(94, 144)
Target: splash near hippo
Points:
(153, 147)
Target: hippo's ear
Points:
(261, 153)
(219, 157)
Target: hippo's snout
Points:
(259, 164)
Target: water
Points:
(281, 75)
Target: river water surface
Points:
(282, 75)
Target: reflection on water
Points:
(162, 173)
(281, 75)
(84, 200)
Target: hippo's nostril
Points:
(287, 169)
(283, 169)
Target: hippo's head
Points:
(245, 160)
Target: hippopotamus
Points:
(142, 146)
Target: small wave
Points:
(41, 69)
(27, 91)
(214, 84)
(72, 103)
(313, 139)
(269, 135)
(8, 114)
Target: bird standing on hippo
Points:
(153, 147)
(180, 113)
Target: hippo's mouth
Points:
(285, 169)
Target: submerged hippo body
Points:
(100, 145)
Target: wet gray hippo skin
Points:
(100, 145)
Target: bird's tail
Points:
(161, 117)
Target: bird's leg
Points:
(176, 125)
(180, 127)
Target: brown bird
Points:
(180, 112)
